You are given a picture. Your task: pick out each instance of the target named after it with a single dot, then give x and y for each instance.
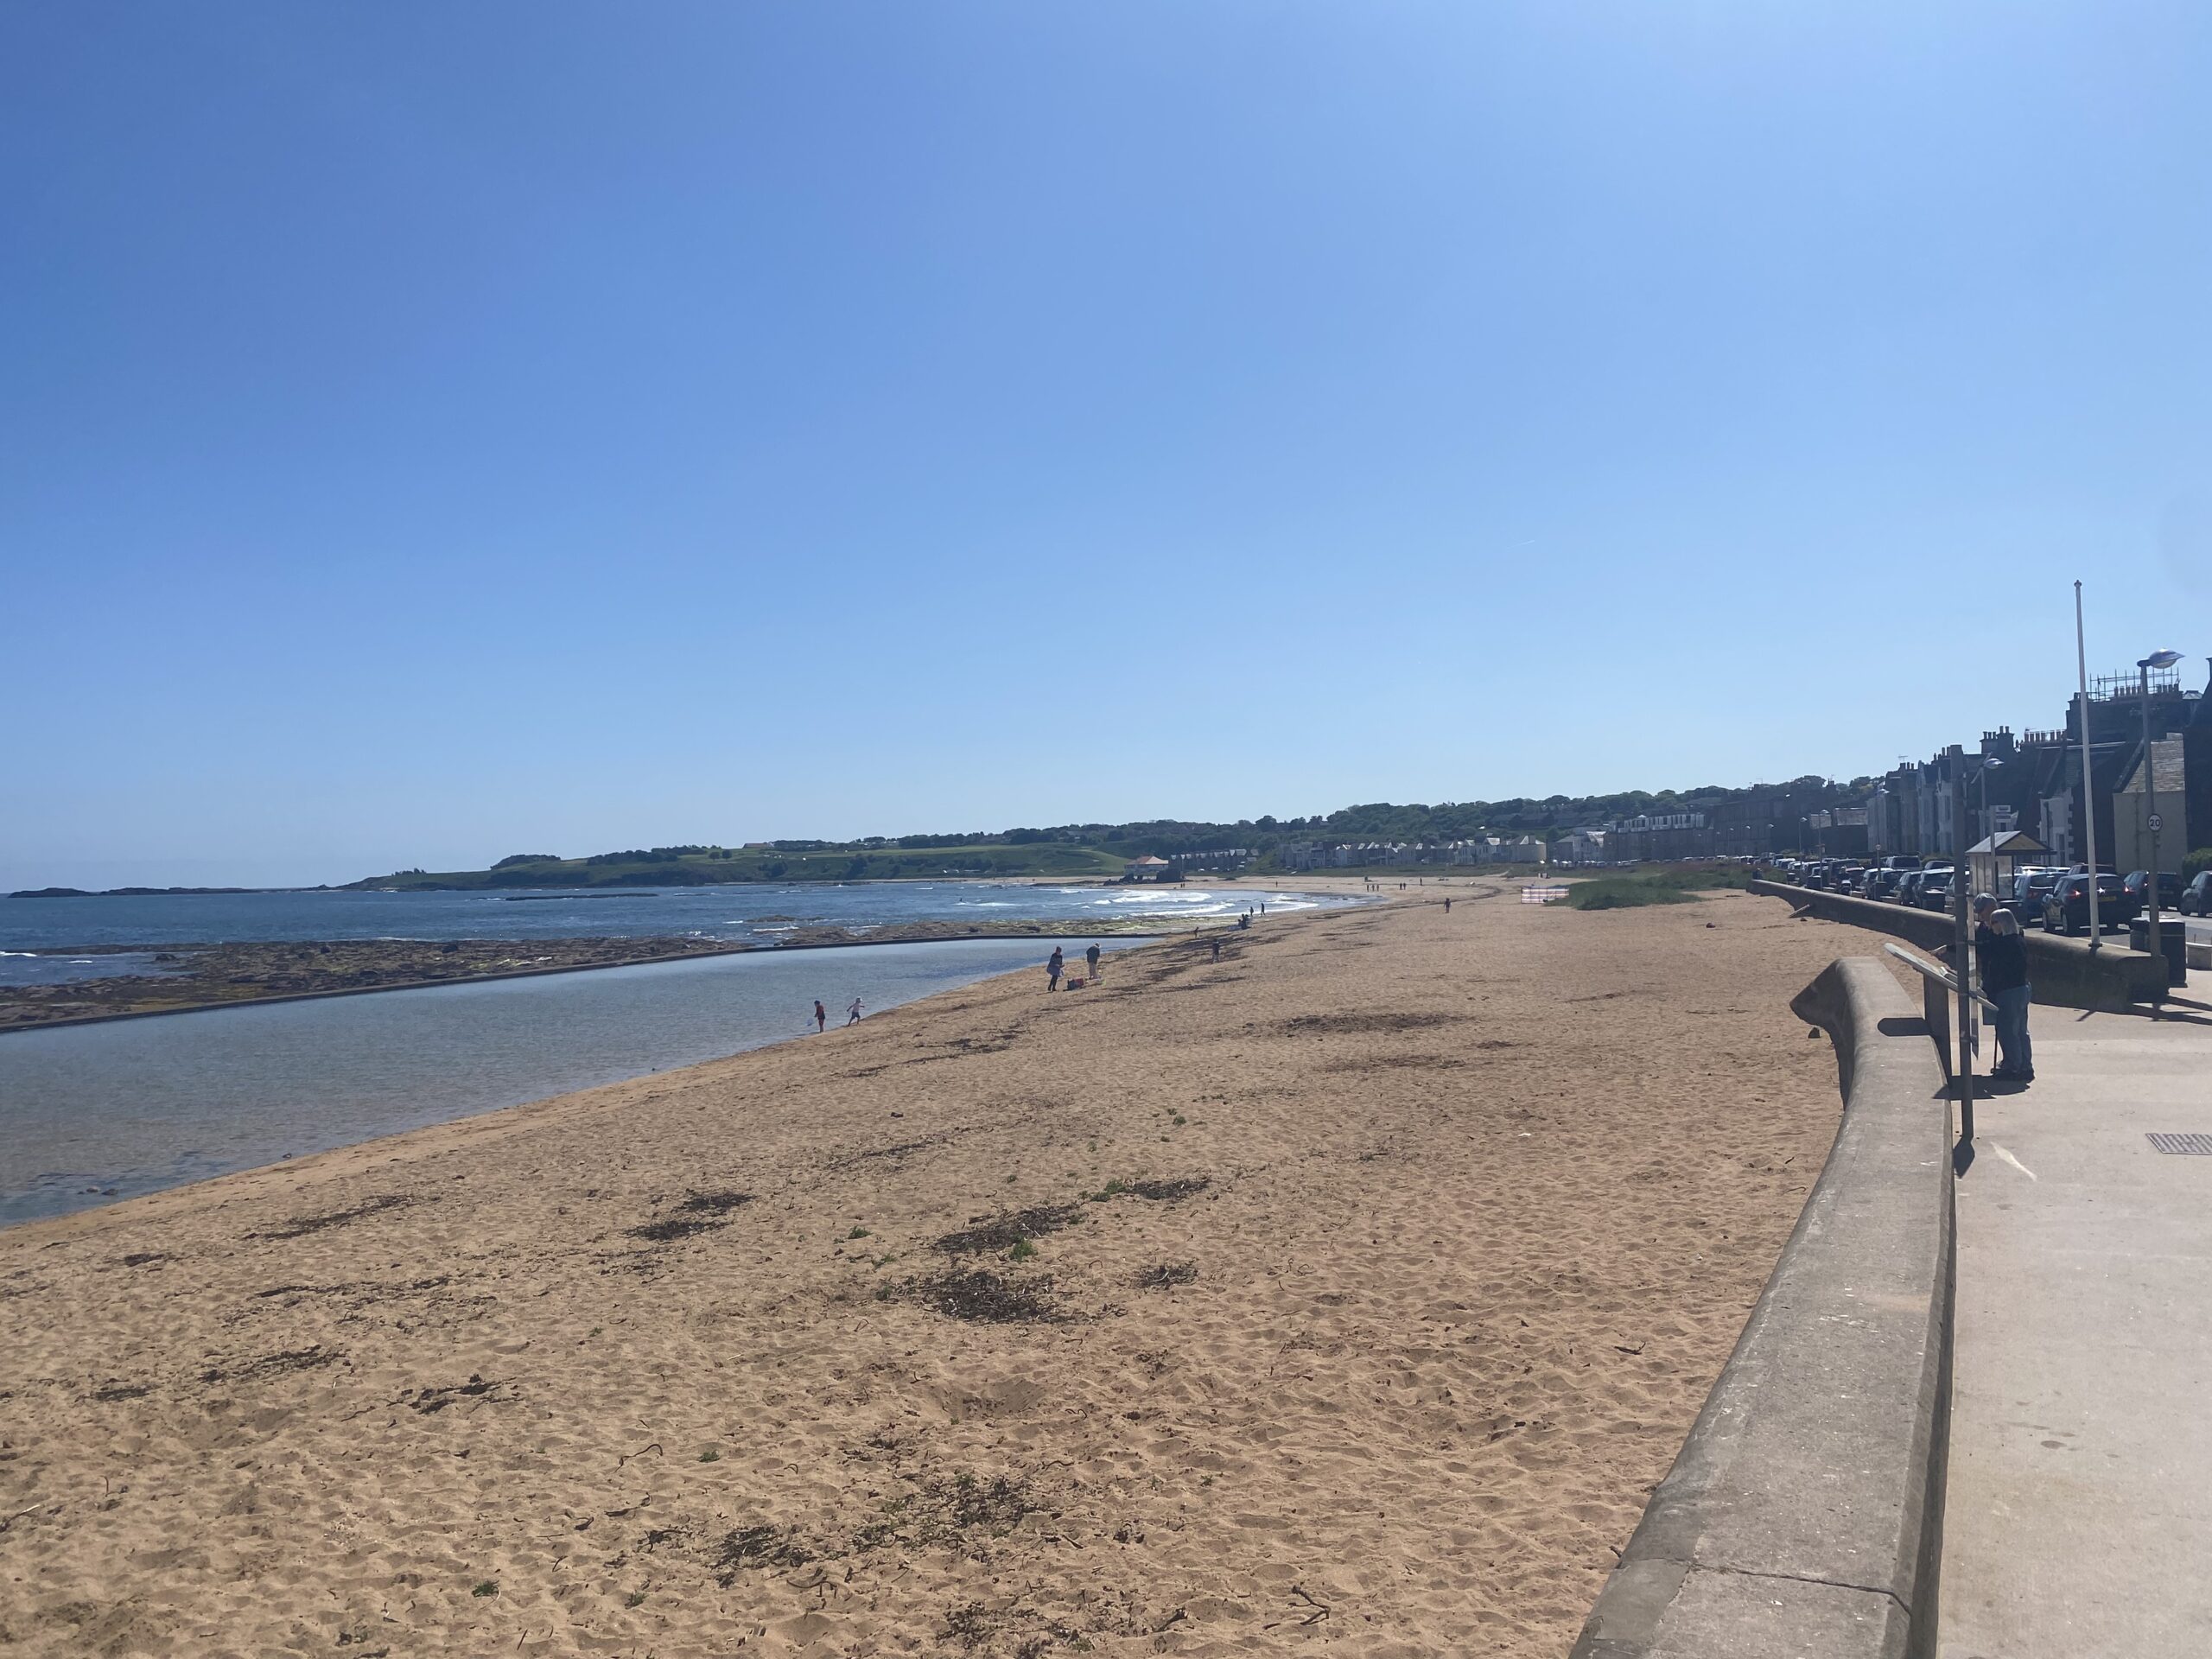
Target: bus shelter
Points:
(1993, 860)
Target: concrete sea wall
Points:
(2065, 972)
(1804, 1514)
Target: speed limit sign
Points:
(2158, 823)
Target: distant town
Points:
(2030, 781)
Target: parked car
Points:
(1913, 889)
(2196, 897)
(1879, 881)
(2030, 888)
(1935, 891)
(2066, 907)
(2136, 890)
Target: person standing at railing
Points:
(2003, 957)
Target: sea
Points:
(90, 1115)
(739, 914)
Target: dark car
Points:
(2066, 907)
(2136, 890)
(2196, 897)
(2030, 888)
(1880, 881)
(1936, 889)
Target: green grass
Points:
(1668, 886)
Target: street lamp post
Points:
(1988, 831)
(2088, 778)
(2156, 659)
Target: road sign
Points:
(2157, 821)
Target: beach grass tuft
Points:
(1632, 892)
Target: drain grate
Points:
(2199, 1145)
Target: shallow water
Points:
(29, 968)
(91, 1114)
(738, 914)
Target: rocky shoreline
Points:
(197, 976)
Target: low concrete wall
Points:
(1804, 1514)
(2065, 972)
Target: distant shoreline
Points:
(68, 1021)
(625, 889)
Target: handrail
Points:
(1935, 970)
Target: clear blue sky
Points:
(433, 432)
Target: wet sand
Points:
(1368, 1280)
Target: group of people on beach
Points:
(1056, 968)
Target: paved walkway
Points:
(2078, 1519)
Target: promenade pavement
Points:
(2078, 1515)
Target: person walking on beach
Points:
(1447, 906)
(821, 1016)
(1091, 957)
(2004, 960)
(853, 1013)
(1052, 970)
(1217, 947)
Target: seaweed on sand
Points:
(993, 1235)
(300, 1226)
(756, 1547)
(985, 1298)
(700, 1212)
(1185, 1187)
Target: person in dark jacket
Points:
(2004, 960)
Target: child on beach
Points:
(853, 1013)
(821, 1016)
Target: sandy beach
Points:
(1353, 1289)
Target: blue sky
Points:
(436, 432)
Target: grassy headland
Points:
(704, 866)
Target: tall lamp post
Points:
(2156, 659)
(1989, 834)
(2088, 778)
